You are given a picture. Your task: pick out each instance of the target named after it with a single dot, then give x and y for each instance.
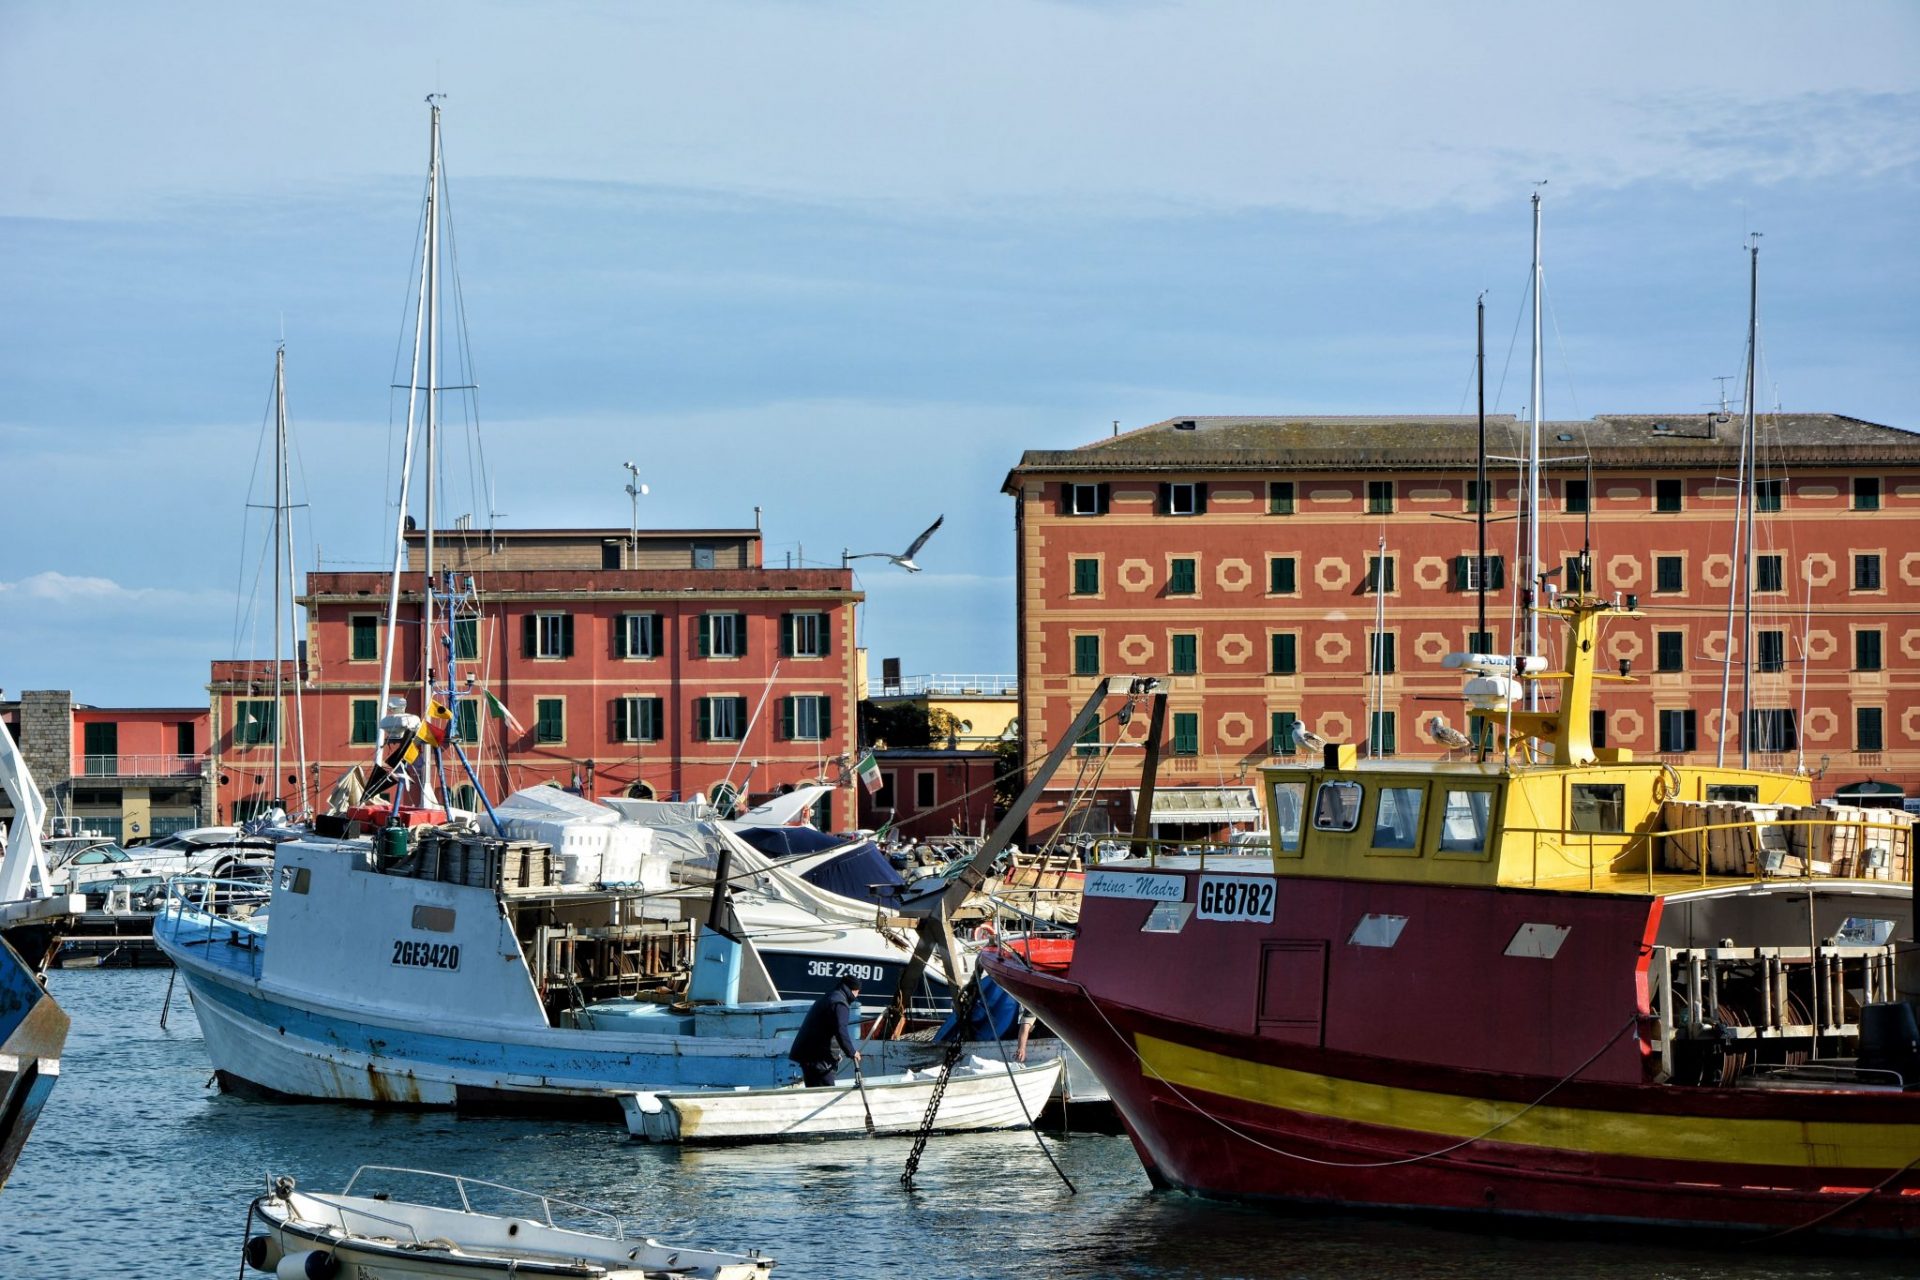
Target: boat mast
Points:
(432, 287)
(279, 538)
(1480, 566)
(1749, 446)
(1534, 579)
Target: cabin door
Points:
(1293, 991)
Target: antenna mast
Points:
(1534, 580)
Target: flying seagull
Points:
(905, 558)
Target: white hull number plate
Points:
(1236, 898)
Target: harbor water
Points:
(138, 1167)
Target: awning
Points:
(1202, 806)
(1877, 790)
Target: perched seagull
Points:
(1448, 736)
(1305, 739)
(905, 558)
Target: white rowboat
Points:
(981, 1094)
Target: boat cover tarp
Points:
(993, 1015)
(861, 872)
(785, 842)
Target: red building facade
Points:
(932, 792)
(131, 773)
(1317, 570)
(662, 664)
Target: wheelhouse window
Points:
(1396, 819)
(1599, 807)
(1463, 821)
(1289, 801)
(1336, 806)
(1732, 793)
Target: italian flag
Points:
(869, 771)
(500, 712)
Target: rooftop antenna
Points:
(1723, 379)
(635, 491)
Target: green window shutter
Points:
(657, 629)
(364, 721)
(1186, 733)
(1463, 573)
(1281, 738)
(826, 717)
(1496, 572)
(786, 719)
(1086, 655)
(622, 730)
(1200, 498)
(620, 626)
(1281, 579)
(706, 640)
(740, 715)
(529, 635)
(1285, 654)
(1186, 655)
(826, 634)
(1086, 577)
(739, 635)
(1166, 498)
(704, 709)
(566, 635)
(467, 719)
(656, 719)
(786, 635)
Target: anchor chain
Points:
(962, 1021)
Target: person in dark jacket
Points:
(827, 1028)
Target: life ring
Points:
(1667, 785)
(984, 933)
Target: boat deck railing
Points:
(462, 1183)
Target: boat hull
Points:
(990, 1098)
(33, 1030)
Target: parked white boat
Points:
(373, 1237)
(980, 1094)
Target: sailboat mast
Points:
(433, 408)
(279, 539)
(1752, 492)
(1480, 473)
(1534, 580)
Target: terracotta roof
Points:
(1413, 442)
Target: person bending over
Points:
(825, 1033)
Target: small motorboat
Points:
(980, 1094)
(314, 1236)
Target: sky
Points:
(844, 262)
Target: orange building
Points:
(1318, 569)
(665, 664)
(131, 773)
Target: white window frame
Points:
(715, 731)
(631, 730)
(806, 706)
(809, 634)
(1179, 490)
(1083, 499)
(549, 635)
(731, 629)
(639, 629)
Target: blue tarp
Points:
(862, 873)
(993, 1016)
(784, 842)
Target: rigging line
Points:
(1513, 340)
(1560, 341)
(470, 398)
(253, 483)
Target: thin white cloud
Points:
(85, 594)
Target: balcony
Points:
(142, 766)
(991, 686)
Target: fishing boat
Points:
(978, 1094)
(1550, 982)
(344, 1236)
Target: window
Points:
(805, 717)
(547, 635)
(1336, 806)
(1280, 739)
(923, 788)
(1677, 730)
(466, 720)
(1280, 497)
(1471, 573)
(1086, 576)
(1670, 651)
(1866, 572)
(1379, 574)
(1186, 733)
(1599, 807)
(1180, 577)
(1476, 500)
(1379, 497)
(637, 719)
(1479, 642)
(1286, 653)
(723, 635)
(804, 635)
(466, 639)
(366, 722)
(883, 798)
(1597, 727)
(1574, 495)
(183, 738)
(1868, 734)
(1667, 495)
(1183, 499)
(254, 723)
(1669, 573)
(1086, 655)
(1866, 493)
(1289, 799)
(1083, 499)
(1766, 495)
(1283, 576)
(1186, 654)
(1866, 650)
(1579, 573)
(1380, 733)
(1767, 575)
(1770, 651)
(101, 746)
(639, 635)
(1088, 743)
(1463, 822)
(1380, 652)
(549, 719)
(721, 719)
(365, 631)
(1772, 729)
(1724, 793)
(1396, 820)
